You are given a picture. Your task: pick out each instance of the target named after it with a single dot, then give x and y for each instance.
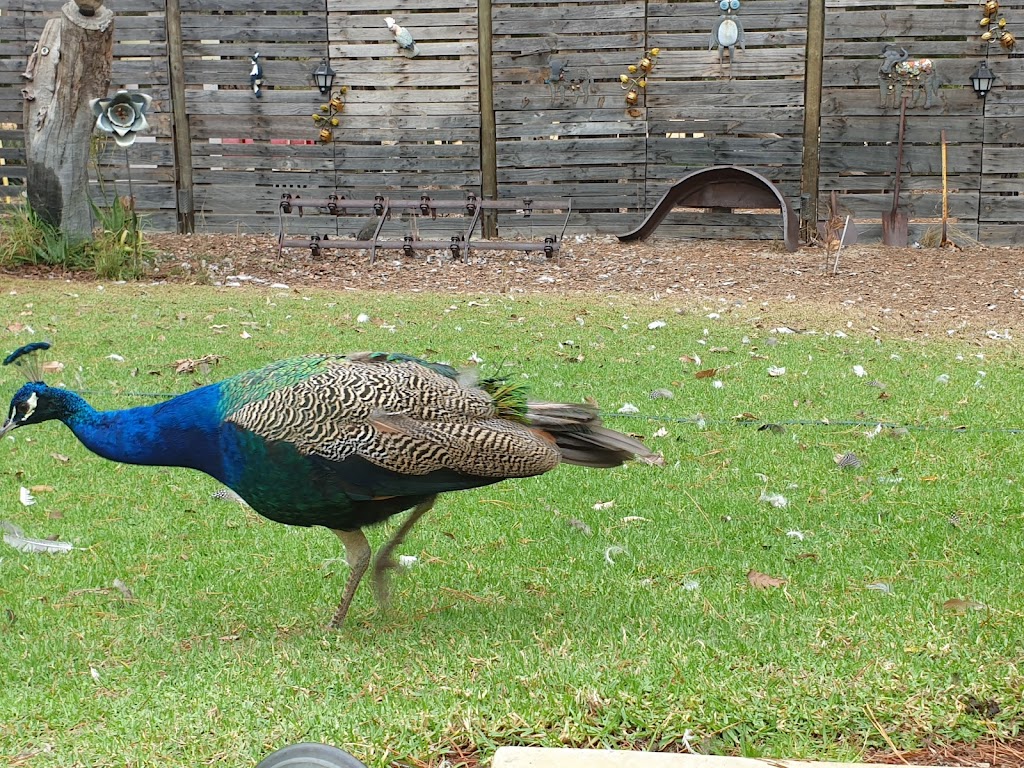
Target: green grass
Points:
(513, 628)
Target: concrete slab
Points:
(537, 757)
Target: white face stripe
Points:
(33, 401)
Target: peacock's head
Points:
(35, 402)
(32, 404)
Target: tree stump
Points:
(69, 67)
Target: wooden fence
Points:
(546, 79)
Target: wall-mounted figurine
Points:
(256, 75)
(727, 33)
(900, 73)
(566, 85)
(403, 37)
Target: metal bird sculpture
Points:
(403, 37)
(340, 441)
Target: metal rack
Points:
(459, 245)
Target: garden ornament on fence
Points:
(899, 74)
(995, 28)
(566, 86)
(403, 37)
(328, 118)
(122, 115)
(639, 71)
(727, 33)
(256, 75)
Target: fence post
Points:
(179, 119)
(488, 127)
(813, 64)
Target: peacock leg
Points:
(385, 561)
(357, 552)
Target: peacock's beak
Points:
(7, 427)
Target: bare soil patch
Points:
(911, 291)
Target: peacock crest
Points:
(28, 360)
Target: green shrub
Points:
(118, 246)
(116, 251)
(26, 239)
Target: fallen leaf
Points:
(41, 489)
(707, 373)
(189, 365)
(604, 505)
(959, 605)
(763, 580)
(60, 457)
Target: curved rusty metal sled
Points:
(721, 186)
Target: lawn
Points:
(751, 596)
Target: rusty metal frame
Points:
(459, 246)
(721, 187)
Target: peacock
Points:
(338, 440)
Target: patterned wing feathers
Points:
(401, 416)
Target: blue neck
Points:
(181, 432)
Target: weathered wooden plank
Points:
(905, 21)
(389, 49)
(870, 129)
(570, 45)
(775, 7)
(918, 206)
(596, 128)
(1003, 209)
(1003, 234)
(345, 7)
(865, 101)
(313, 51)
(294, 7)
(917, 159)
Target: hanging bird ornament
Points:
(256, 75)
(727, 33)
(403, 37)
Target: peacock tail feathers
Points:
(509, 399)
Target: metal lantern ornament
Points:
(328, 118)
(323, 76)
(636, 81)
(982, 80)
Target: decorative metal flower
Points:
(123, 115)
(329, 117)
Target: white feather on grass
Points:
(15, 537)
